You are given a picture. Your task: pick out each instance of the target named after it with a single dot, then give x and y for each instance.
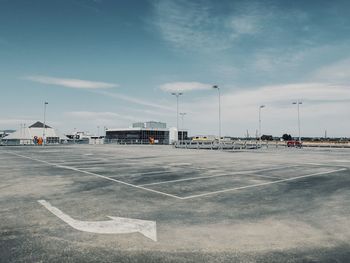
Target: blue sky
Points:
(110, 63)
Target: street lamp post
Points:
(219, 95)
(182, 125)
(260, 107)
(298, 103)
(177, 94)
(44, 126)
(74, 135)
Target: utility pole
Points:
(177, 94)
(182, 125)
(44, 127)
(260, 107)
(74, 135)
(219, 95)
(298, 103)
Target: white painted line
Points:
(98, 175)
(179, 164)
(77, 162)
(257, 185)
(225, 174)
(118, 165)
(321, 164)
(147, 173)
(115, 167)
(117, 225)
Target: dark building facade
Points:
(149, 125)
(182, 135)
(137, 136)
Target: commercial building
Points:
(34, 134)
(137, 136)
(145, 133)
(149, 125)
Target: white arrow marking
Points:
(117, 225)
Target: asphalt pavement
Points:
(115, 203)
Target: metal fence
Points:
(134, 141)
(248, 144)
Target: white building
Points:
(28, 135)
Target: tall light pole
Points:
(177, 94)
(217, 87)
(260, 107)
(182, 125)
(44, 127)
(298, 103)
(74, 135)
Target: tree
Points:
(286, 137)
(267, 138)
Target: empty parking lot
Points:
(206, 206)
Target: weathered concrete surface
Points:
(299, 220)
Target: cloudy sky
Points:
(112, 62)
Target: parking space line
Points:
(119, 168)
(225, 174)
(262, 184)
(322, 164)
(98, 175)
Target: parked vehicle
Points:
(294, 143)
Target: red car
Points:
(294, 143)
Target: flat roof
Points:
(138, 129)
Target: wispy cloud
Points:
(195, 25)
(247, 24)
(71, 83)
(152, 113)
(338, 72)
(270, 61)
(92, 119)
(134, 100)
(188, 24)
(87, 115)
(184, 86)
(278, 94)
(112, 119)
(240, 109)
(15, 122)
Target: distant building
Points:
(80, 137)
(4, 133)
(145, 133)
(137, 136)
(149, 125)
(28, 135)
